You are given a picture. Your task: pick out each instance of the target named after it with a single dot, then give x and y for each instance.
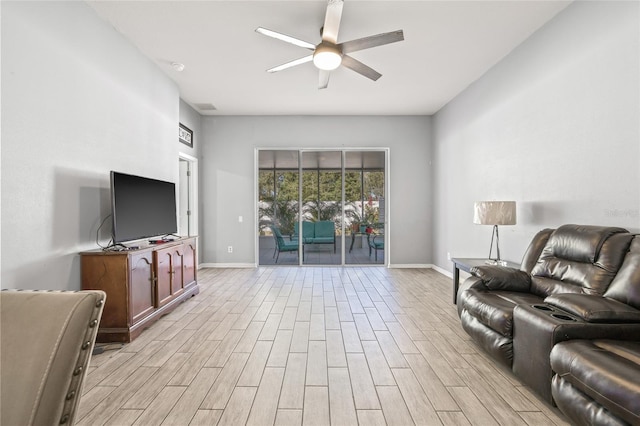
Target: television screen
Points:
(141, 207)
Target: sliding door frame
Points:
(343, 151)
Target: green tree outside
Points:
(321, 196)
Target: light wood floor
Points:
(291, 346)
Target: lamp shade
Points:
(494, 213)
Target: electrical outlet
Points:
(448, 256)
(240, 219)
(230, 249)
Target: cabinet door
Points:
(176, 271)
(164, 272)
(109, 273)
(142, 286)
(189, 263)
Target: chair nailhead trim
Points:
(77, 371)
(64, 419)
(86, 345)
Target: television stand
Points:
(142, 284)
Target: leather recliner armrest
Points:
(595, 308)
(496, 277)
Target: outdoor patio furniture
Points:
(281, 243)
(361, 231)
(321, 232)
(308, 231)
(376, 242)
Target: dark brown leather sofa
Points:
(597, 382)
(575, 282)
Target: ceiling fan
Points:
(329, 54)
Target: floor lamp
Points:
(495, 213)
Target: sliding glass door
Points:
(278, 207)
(322, 207)
(365, 207)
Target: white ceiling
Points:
(448, 45)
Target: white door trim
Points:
(194, 219)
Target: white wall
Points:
(228, 176)
(78, 100)
(554, 126)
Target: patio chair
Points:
(376, 242)
(282, 244)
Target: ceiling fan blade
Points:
(323, 81)
(290, 64)
(332, 21)
(360, 68)
(285, 38)
(371, 41)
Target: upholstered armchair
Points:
(46, 344)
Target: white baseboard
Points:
(411, 266)
(227, 265)
(394, 266)
(442, 271)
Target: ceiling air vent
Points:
(205, 107)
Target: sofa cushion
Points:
(607, 371)
(308, 230)
(502, 278)
(625, 287)
(495, 309)
(492, 311)
(584, 256)
(324, 229)
(322, 240)
(579, 408)
(547, 286)
(536, 246)
(580, 243)
(497, 345)
(594, 308)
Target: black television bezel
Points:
(142, 235)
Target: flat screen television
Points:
(141, 207)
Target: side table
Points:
(353, 238)
(466, 265)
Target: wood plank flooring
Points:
(312, 346)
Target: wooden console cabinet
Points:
(141, 285)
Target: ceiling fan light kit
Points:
(328, 55)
